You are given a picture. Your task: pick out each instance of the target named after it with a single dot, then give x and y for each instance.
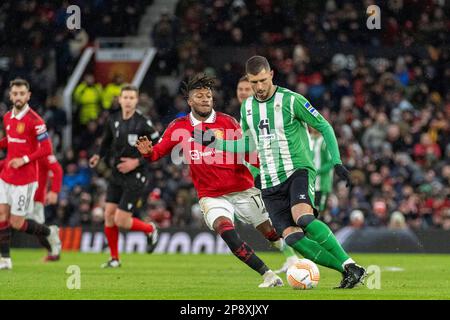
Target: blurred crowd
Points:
(387, 99)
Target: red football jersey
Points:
(26, 135)
(48, 167)
(214, 172)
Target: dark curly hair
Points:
(198, 81)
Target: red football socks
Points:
(112, 235)
(139, 225)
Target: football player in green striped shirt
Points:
(275, 123)
(243, 91)
(324, 168)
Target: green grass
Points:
(195, 277)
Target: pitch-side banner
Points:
(193, 240)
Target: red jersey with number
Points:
(214, 172)
(26, 135)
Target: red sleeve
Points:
(57, 173)
(45, 146)
(4, 143)
(2, 164)
(171, 137)
(44, 149)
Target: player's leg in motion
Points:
(125, 220)
(5, 238)
(39, 230)
(321, 233)
(268, 231)
(225, 228)
(39, 216)
(112, 236)
(310, 249)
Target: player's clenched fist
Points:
(144, 146)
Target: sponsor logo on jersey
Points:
(196, 155)
(311, 109)
(20, 127)
(16, 140)
(264, 132)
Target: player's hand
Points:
(206, 138)
(51, 198)
(144, 146)
(127, 165)
(93, 161)
(343, 174)
(16, 163)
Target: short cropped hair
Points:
(129, 87)
(19, 82)
(256, 64)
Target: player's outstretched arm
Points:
(207, 138)
(306, 112)
(165, 145)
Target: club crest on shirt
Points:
(277, 107)
(20, 128)
(218, 133)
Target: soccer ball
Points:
(303, 275)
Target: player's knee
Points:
(16, 222)
(305, 219)
(293, 237)
(4, 212)
(265, 227)
(222, 224)
(120, 221)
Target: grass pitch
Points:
(200, 277)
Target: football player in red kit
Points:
(26, 142)
(49, 170)
(225, 186)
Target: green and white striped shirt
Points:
(278, 128)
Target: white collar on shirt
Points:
(211, 118)
(21, 113)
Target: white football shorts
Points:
(19, 198)
(247, 205)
